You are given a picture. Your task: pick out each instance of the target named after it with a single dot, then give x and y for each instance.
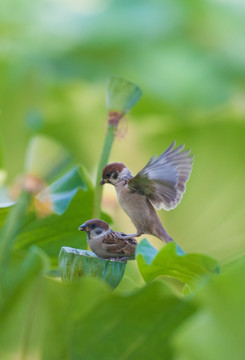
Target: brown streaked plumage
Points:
(161, 183)
(106, 243)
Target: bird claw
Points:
(124, 258)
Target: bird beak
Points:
(103, 181)
(82, 228)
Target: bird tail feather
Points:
(165, 237)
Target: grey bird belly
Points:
(98, 247)
(136, 207)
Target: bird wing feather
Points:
(163, 179)
(119, 246)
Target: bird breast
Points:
(135, 206)
(98, 247)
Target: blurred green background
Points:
(187, 56)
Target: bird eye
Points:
(92, 226)
(107, 175)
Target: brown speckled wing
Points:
(164, 178)
(117, 246)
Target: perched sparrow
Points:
(161, 183)
(106, 243)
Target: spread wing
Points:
(117, 246)
(163, 179)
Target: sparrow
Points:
(160, 184)
(106, 243)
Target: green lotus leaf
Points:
(191, 269)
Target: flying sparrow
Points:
(161, 183)
(106, 243)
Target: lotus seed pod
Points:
(121, 96)
(75, 263)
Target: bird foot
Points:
(124, 258)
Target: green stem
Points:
(109, 138)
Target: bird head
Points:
(94, 227)
(113, 173)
